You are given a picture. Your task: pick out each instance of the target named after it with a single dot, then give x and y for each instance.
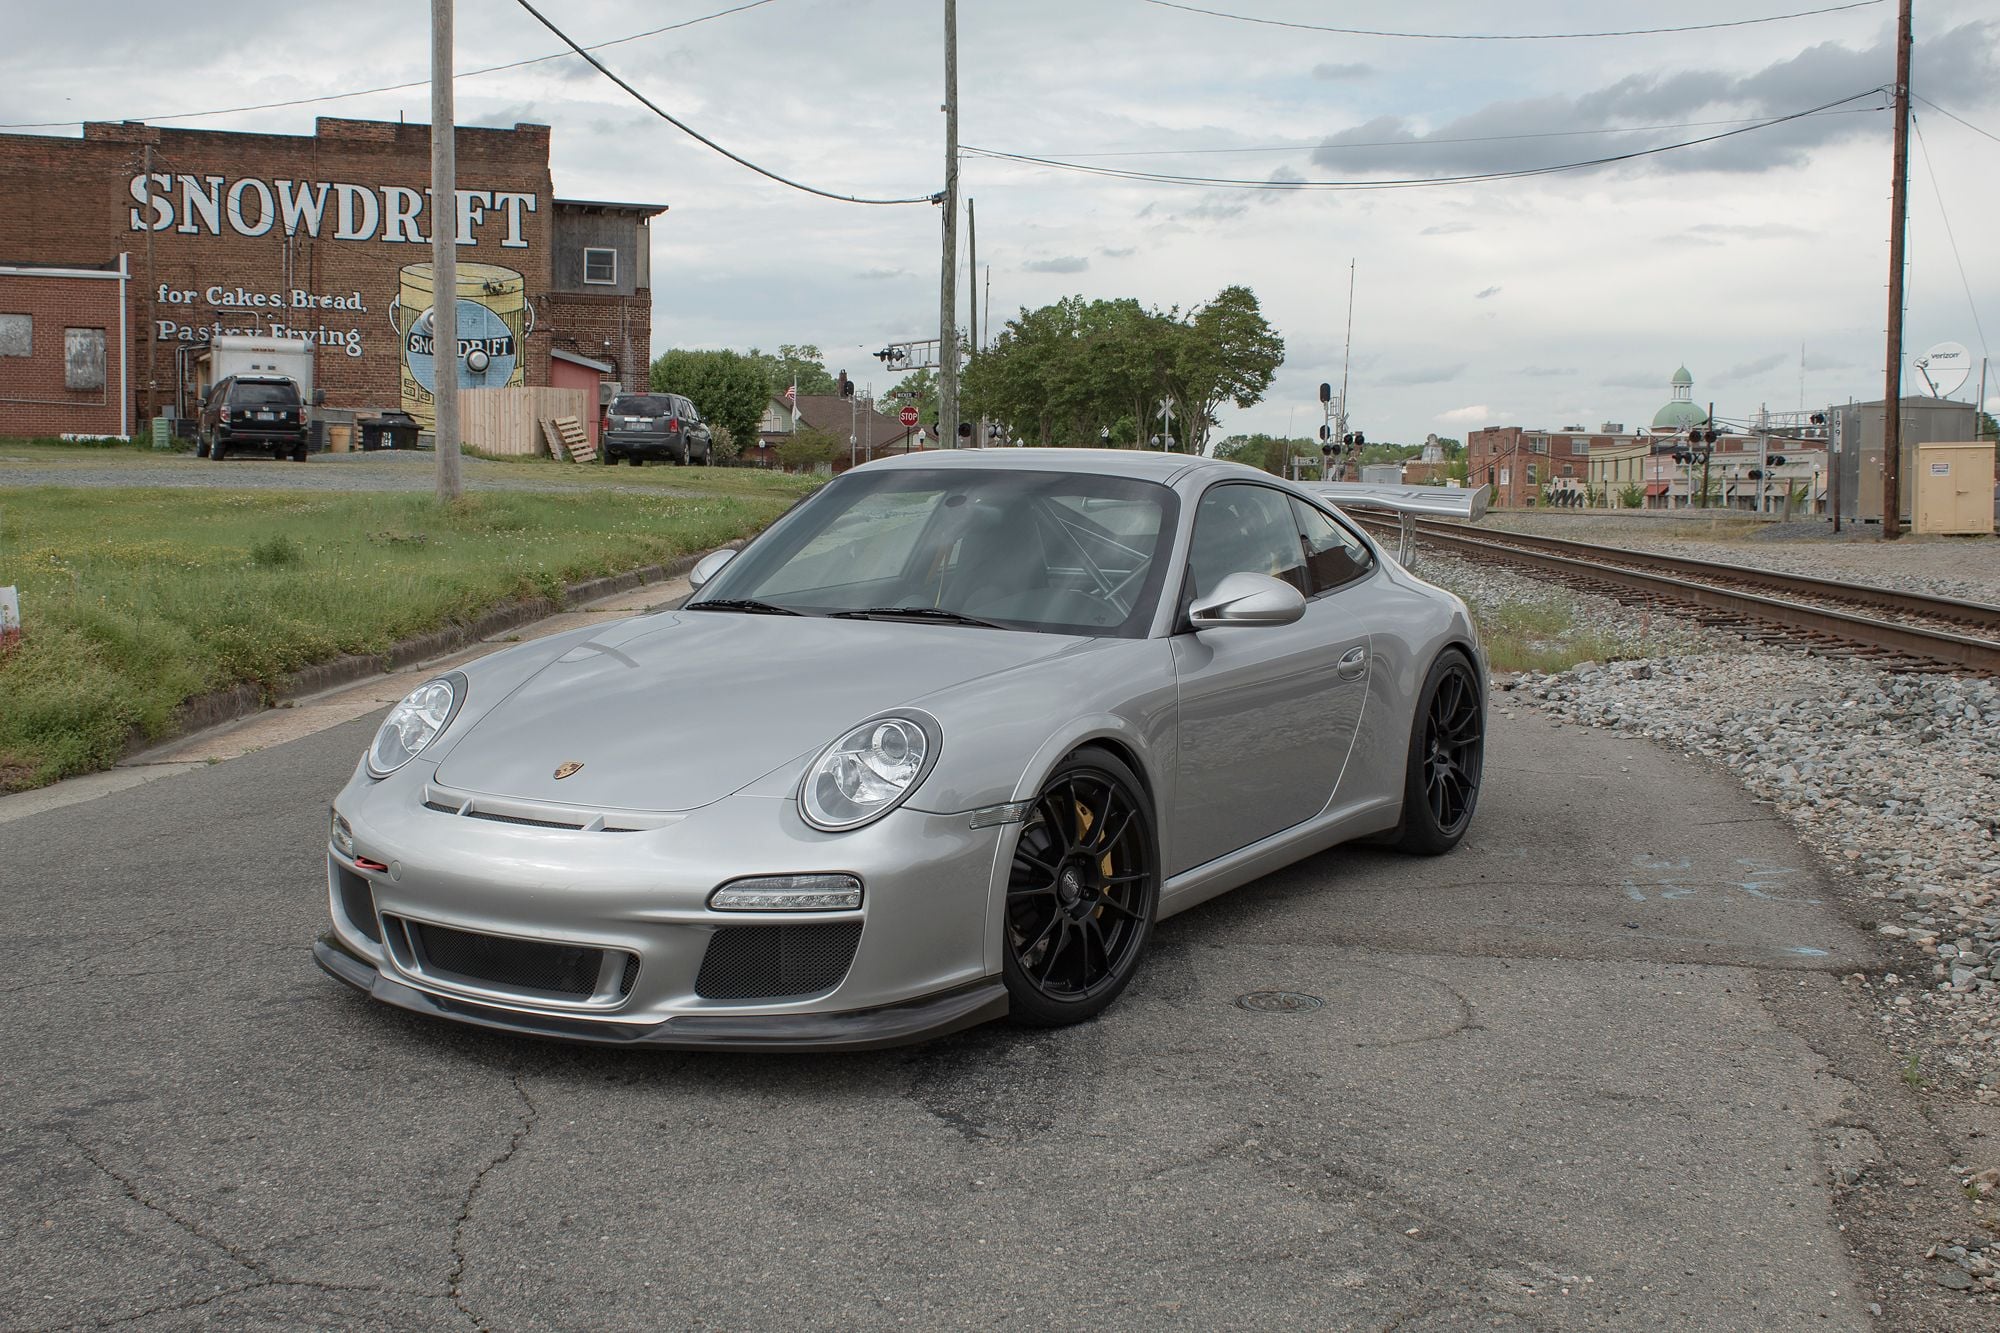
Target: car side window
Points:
(1334, 556)
(1243, 528)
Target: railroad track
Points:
(1898, 630)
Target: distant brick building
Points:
(876, 434)
(325, 237)
(64, 350)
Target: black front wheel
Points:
(1447, 755)
(1082, 893)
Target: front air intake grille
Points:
(776, 962)
(494, 960)
(519, 819)
(357, 902)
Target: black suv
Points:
(254, 412)
(638, 426)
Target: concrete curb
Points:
(241, 701)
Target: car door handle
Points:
(1353, 664)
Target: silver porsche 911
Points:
(941, 745)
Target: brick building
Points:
(323, 237)
(1522, 465)
(65, 363)
(876, 434)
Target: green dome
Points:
(1681, 376)
(1679, 415)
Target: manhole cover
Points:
(1278, 1001)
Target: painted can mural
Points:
(495, 318)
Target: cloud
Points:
(1963, 63)
(1354, 71)
(1752, 231)
(1544, 372)
(1465, 416)
(881, 274)
(1446, 229)
(1822, 361)
(1482, 295)
(1119, 252)
(1759, 366)
(1060, 264)
(1423, 375)
(1643, 379)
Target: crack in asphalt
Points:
(521, 1132)
(265, 1278)
(1466, 1021)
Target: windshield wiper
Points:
(742, 604)
(915, 613)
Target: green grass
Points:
(1542, 636)
(136, 599)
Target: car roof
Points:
(1140, 464)
(262, 379)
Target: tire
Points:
(636, 461)
(298, 453)
(216, 448)
(604, 457)
(1073, 930)
(201, 446)
(1447, 757)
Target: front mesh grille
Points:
(557, 969)
(776, 962)
(518, 819)
(357, 902)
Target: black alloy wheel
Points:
(1447, 754)
(1082, 894)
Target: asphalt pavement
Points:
(1586, 1072)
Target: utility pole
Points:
(1892, 390)
(972, 299)
(948, 293)
(444, 257)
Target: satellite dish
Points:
(1944, 369)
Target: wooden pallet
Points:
(568, 439)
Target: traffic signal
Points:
(1680, 455)
(1348, 439)
(1325, 392)
(1360, 440)
(1818, 418)
(1755, 474)
(846, 386)
(1326, 450)
(1775, 460)
(1325, 433)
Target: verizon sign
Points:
(248, 206)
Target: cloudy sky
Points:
(1546, 300)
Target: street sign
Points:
(908, 416)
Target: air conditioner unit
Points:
(607, 390)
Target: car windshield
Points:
(641, 405)
(281, 392)
(1058, 553)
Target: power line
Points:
(1428, 141)
(1506, 36)
(1162, 178)
(1960, 119)
(1924, 148)
(394, 87)
(703, 139)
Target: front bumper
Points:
(855, 1030)
(604, 933)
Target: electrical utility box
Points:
(1954, 487)
(1857, 444)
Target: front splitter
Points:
(858, 1030)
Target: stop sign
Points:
(908, 416)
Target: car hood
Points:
(673, 711)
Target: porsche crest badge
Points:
(569, 769)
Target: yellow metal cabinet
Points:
(1954, 487)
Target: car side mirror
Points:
(1248, 599)
(709, 566)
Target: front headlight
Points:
(415, 723)
(867, 773)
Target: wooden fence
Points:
(508, 421)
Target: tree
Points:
(1271, 453)
(800, 363)
(1227, 352)
(728, 387)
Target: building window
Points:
(17, 335)
(600, 266)
(1531, 474)
(1579, 446)
(83, 359)
(1569, 470)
